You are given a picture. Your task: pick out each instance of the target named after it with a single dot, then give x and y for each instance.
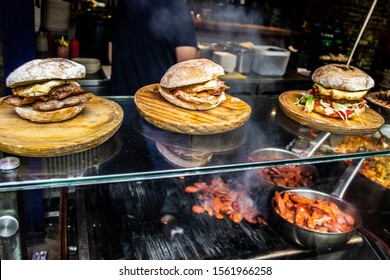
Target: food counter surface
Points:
(131, 154)
(127, 199)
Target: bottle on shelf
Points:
(74, 48)
(42, 47)
(63, 48)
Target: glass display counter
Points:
(126, 199)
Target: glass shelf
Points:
(133, 153)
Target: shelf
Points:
(108, 202)
(131, 154)
(235, 27)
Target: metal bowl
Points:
(377, 197)
(271, 153)
(314, 239)
(268, 154)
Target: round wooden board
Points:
(369, 122)
(381, 100)
(98, 121)
(229, 115)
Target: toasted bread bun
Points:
(194, 84)
(189, 72)
(28, 113)
(41, 70)
(342, 77)
(211, 102)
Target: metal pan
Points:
(322, 240)
(308, 173)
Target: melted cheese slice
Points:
(341, 94)
(212, 84)
(40, 89)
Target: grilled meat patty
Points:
(59, 97)
(55, 104)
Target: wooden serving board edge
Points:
(71, 149)
(336, 126)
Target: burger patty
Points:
(59, 97)
(65, 90)
(55, 104)
(202, 96)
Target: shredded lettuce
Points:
(307, 100)
(309, 105)
(341, 109)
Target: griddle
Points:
(124, 221)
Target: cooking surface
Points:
(154, 220)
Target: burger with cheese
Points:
(46, 91)
(194, 84)
(338, 91)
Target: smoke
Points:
(232, 16)
(167, 20)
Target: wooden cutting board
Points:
(98, 121)
(369, 122)
(229, 115)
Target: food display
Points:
(229, 115)
(338, 91)
(341, 58)
(313, 214)
(380, 99)
(46, 91)
(190, 99)
(376, 168)
(220, 200)
(291, 176)
(194, 84)
(51, 114)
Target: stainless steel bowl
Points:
(271, 153)
(268, 154)
(314, 239)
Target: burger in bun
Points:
(194, 84)
(338, 91)
(45, 90)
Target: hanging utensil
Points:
(361, 32)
